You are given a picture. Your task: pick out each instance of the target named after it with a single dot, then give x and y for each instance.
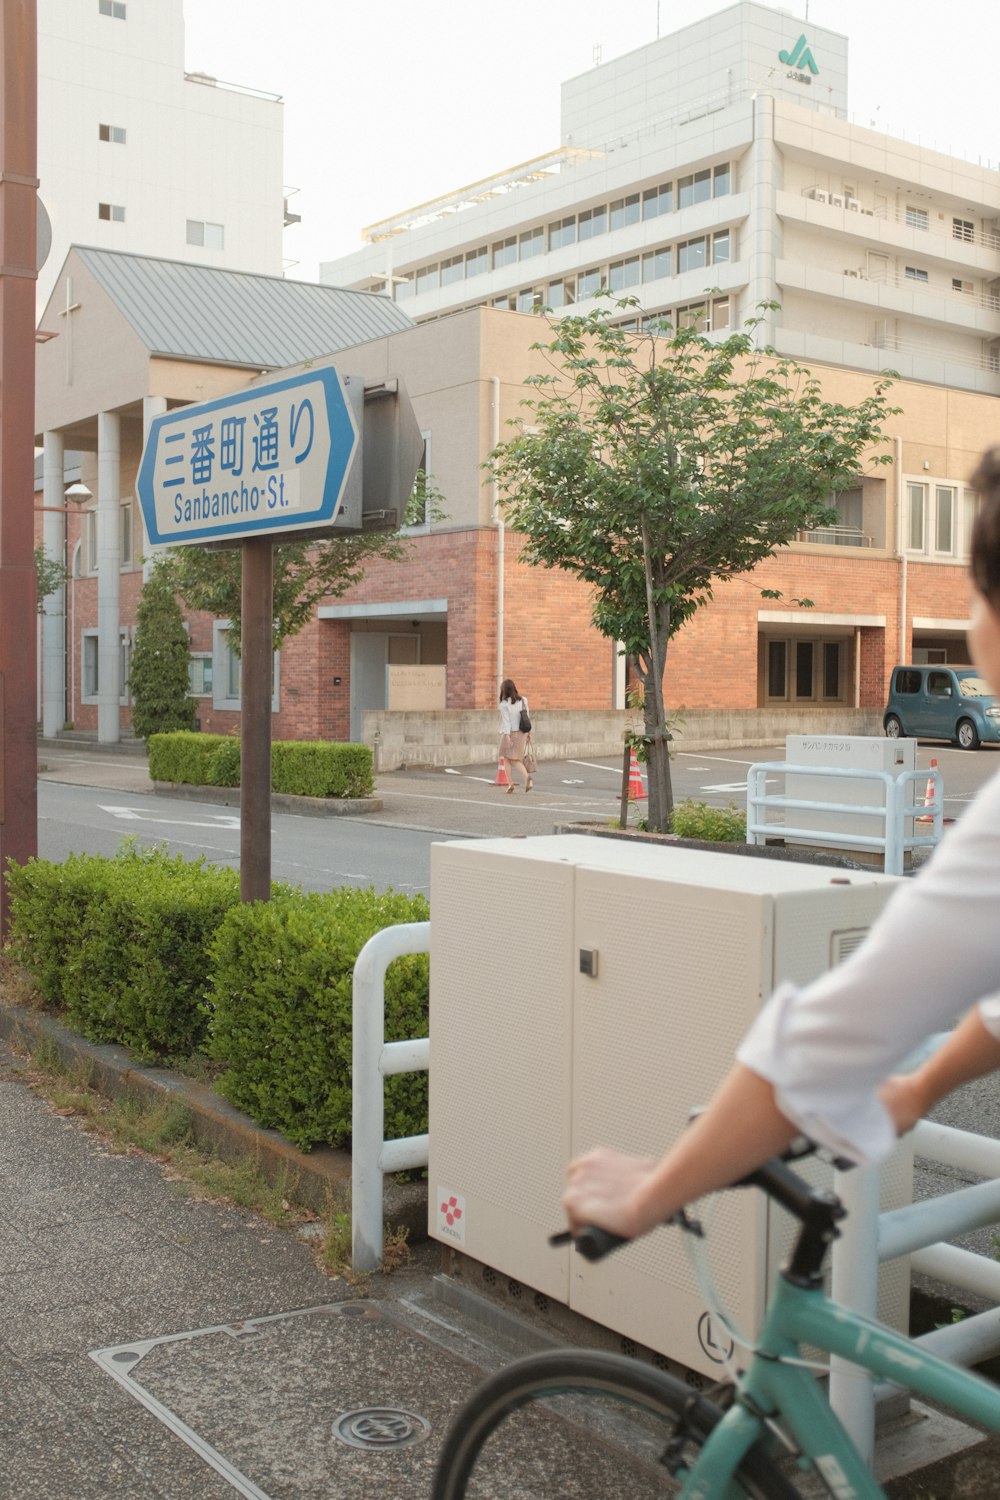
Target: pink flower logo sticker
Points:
(451, 1216)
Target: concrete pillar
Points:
(152, 406)
(760, 237)
(54, 618)
(109, 687)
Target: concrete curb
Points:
(320, 1177)
(310, 807)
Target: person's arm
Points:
(970, 1052)
(630, 1195)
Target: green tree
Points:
(657, 465)
(158, 676)
(304, 572)
(49, 576)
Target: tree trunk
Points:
(661, 796)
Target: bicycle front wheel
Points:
(563, 1423)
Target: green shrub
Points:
(121, 944)
(183, 756)
(304, 768)
(316, 768)
(696, 820)
(280, 1004)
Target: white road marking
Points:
(218, 820)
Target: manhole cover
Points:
(380, 1427)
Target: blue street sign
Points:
(274, 458)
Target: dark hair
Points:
(509, 691)
(984, 550)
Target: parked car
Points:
(942, 703)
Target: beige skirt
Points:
(512, 745)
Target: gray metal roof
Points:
(235, 317)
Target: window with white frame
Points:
(125, 535)
(805, 671)
(531, 242)
(113, 133)
(200, 674)
(209, 236)
(624, 273)
(963, 229)
(115, 212)
(917, 218)
(592, 221)
(658, 200)
(90, 666)
(938, 518)
(227, 672)
(971, 506)
(115, 8)
(914, 273)
(625, 211)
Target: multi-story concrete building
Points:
(722, 157)
(135, 154)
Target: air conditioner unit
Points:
(869, 211)
(610, 1039)
(853, 203)
(818, 195)
(837, 200)
(851, 273)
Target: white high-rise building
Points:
(710, 171)
(135, 154)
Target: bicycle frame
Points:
(799, 1315)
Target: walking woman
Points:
(512, 736)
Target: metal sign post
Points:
(255, 748)
(18, 220)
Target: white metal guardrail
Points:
(918, 1230)
(373, 1058)
(892, 838)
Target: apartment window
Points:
(832, 656)
(90, 668)
(562, 232)
(200, 674)
(624, 273)
(113, 133)
(695, 315)
(944, 518)
(209, 236)
(592, 221)
(657, 263)
(917, 218)
(972, 504)
(404, 289)
(963, 229)
(721, 180)
(777, 669)
(505, 252)
(916, 503)
(720, 313)
(589, 283)
(113, 211)
(659, 322)
(125, 535)
(914, 273)
(506, 302)
(530, 298)
(453, 270)
(114, 8)
(658, 200)
(625, 211)
(428, 278)
(562, 293)
(958, 285)
(477, 261)
(692, 254)
(720, 246)
(531, 242)
(695, 188)
(227, 674)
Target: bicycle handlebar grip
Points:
(594, 1244)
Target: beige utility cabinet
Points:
(534, 1059)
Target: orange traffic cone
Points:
(928, 797)
(501, 774)
(636, 790)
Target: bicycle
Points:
(779, 1419)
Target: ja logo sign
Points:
(799, 56)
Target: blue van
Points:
(942, 703)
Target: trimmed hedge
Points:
(281, 998)
(304, 768)
(121, 945)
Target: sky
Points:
(389, 103)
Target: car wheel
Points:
(967, 734)
(893, 728)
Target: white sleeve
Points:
(933, 953)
